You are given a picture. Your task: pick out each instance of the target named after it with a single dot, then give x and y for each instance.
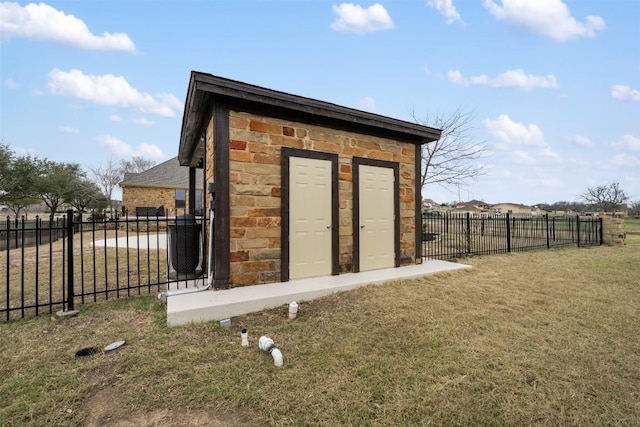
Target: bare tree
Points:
(107, 177)
(86, 194)
(455, 157)
(607, 198)
(137, 164)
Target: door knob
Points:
(362, 226)
(328, 227)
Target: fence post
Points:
(16, 233)
(508, 234)
(70, 288)
(601, 231)
(8, 266)
(546, 222)
(578, 229)
(468, 233)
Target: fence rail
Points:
(456, 235)
(52, 264)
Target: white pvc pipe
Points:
(293, 310)
(277, 357)
(266, 344)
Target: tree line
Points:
(601, 198)
(27, 180)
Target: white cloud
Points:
(115, 118)
(550, 18)
(108, 89)
(11, 84)
(368, 104)
(625, 160)
(122, 149)
(512, 79)
(36, 92)
(499, 146)
(513, 132)
(505, 173)
(354, 19)
(142, 121)
(43, 22)
(522, 158)
(625, 93)
(627, 142)
(551, 182)
(549, 153)
(581, 140)
(446, 9)
(68, 129)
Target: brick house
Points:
(303, 188)
(514, 209)
(164, 185)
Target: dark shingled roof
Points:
(206, 90)
(168, 174)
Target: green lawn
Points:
(632, 225)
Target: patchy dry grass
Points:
(35, 274)
(537, 338)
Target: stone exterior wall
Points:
(255, 189)
(133, 197)
(613, 233)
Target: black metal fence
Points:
(52, 264)
(21, 232)
(456, 235)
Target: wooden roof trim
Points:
(204, 88)
(239, 90)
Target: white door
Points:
(377, 236)
(309, 217)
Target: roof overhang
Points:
(206, 89)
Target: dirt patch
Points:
(105, 409)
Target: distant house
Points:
(514, 209)
(429, 204)
(163, 187)
(474, 207)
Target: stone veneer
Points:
(134, 197)
(255, 188)
(613, 233)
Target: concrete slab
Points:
(224, 304)
(142, 241)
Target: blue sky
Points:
(553, 86)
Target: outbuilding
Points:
(302, 187)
